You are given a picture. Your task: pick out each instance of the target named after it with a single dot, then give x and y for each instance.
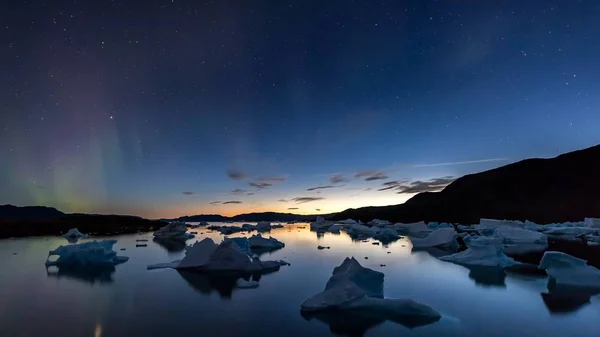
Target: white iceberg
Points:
(174, 230)
(570, 231)
(74, 233)
(227, 256)
(442, 237)
(88, 254)
(257, 241)
(350, 288)
(532, 226)
(481, 251)
(516, 235)
(320, 224)
(566, 270)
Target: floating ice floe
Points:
(335, 228)
(565, 270)
(257, 241)
(442, 237)
(436, 225)
(206, 255)
(517, 240)
(263, 226)
(386, 235)
(174, 230)
(88, 254)
(74, 233)
(243, 284)
(203, 223)
(481, 251)
(355, 288)
(320, 224)
(570, 231)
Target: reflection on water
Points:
(137, 302)
(171, 245)
(102, 274)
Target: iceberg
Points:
(74, 233)
(227, 230)
(379, 223)
(243, 284)
(442, 237)
(481, 251)
(257, 241)
(350, 290)
(88, 254)
(493, 223)
(206, 255)
(415, 229)
(570, 231)
(348, 222)
(174, 230)
(386, 235)
(532, 226)
(518, 241)
(203, 224)
(435, 225)
(320, 224)
(263, 226)
(568, 271)
(335, 228)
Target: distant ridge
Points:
(251, 217)
(564, 188)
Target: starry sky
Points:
(166, 108)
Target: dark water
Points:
(131, 301)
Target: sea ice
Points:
(517, 235)
(481, 251)
(88, 254)
(566, 270)
(74, 233)
(442, 237)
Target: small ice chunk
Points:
(263, 226)
(74, 233)
(481, 251)
(567, 270)
(94, 253)
(438, 238)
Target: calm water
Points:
(132, 301)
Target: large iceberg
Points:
(386, 235)
(493, 223)
(350, 289)
(592, 223)
(379, 223)
(88, 254)
(174, 230)
(565, 270)
(442, 237)
(481, 251)
(206, 255)
(517, 240)
(263, 226)
(74, 233)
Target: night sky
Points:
(165, 108)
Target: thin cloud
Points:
(188, 193)
(302, 200)
(271, 179)
(232, 202)
(338, 178)
(236, 174)
(282, 200)
(259, 184)
(250, 193)
(292, 208)
(371, 175)
(432, 185)
(390, 185)
(238, 191)
(320, 188)
(215, 203)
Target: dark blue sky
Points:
(144, 107)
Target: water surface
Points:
(131, 301)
